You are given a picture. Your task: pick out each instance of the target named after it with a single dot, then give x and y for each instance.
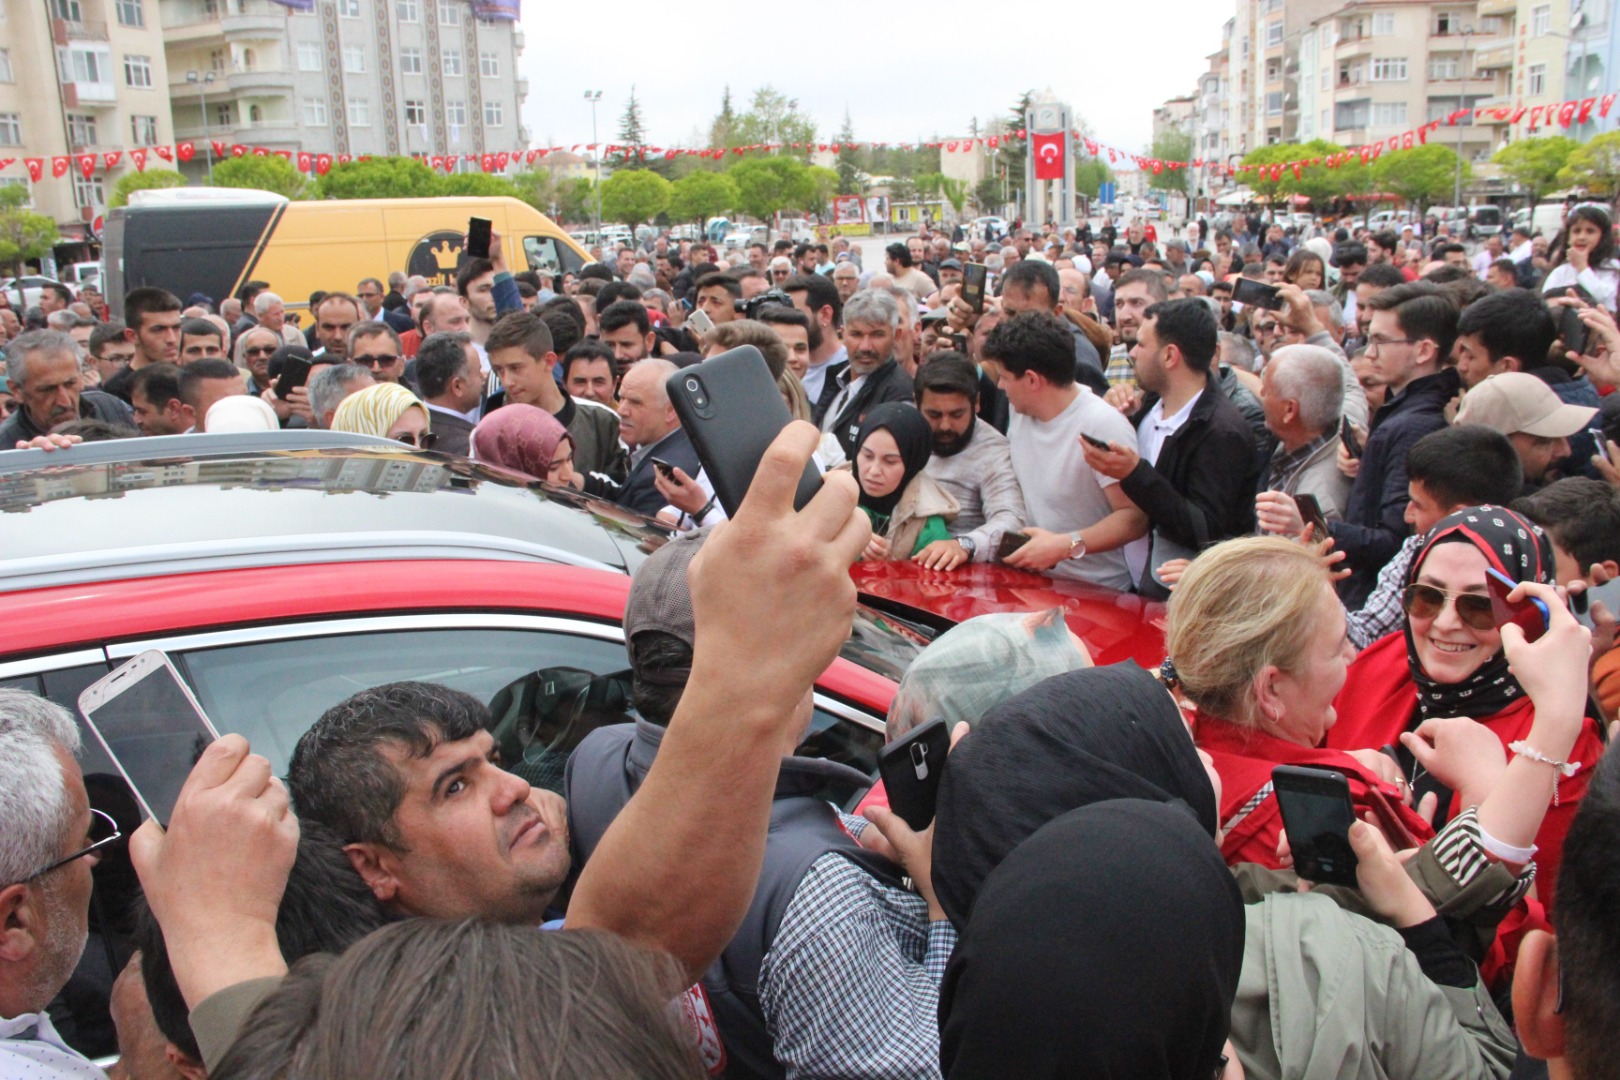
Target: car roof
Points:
(129, 511)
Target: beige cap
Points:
(1515, 401)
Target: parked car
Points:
(31, 285)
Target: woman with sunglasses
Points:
(386, 410)
(1448, 662)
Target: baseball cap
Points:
(950, 264)
(661, 600)
(1516, 401)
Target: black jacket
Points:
(829, 391)
(93, 405)
(888, 383)
(638, 492)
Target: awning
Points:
(1240, 197)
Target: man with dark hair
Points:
(1446, 471)
(376, 345)
(1134, 292)
(717, 296)
(54, 297)
(475, 283)
(110, 349)
(159, 408)
(590, 372)
(613, 291)
(1358, 302)
(1078, 520)
(370, 294)
(1191, 467)
(624, 327)
(971, 460)
(1351, 259)
(1453, 254)
(335, 315)
(801, 336)
(821, 300)
(42, 370)
(1383, 247)
(247, 294)
(1582, 516)
(1410, 335)
(200, 339)
(450, 376)
(898, 262)
(204, 382)
(152, 324)
(1510, 330)
(1032, 285)
(522, 355)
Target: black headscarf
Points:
(1084, 737)
(1107, 946)
(914, 438)
(1511, 545)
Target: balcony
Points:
(1353, 44)
(66, 30)
(239, 20)
(1495, 58)
(522, 87)
(79, 95)
(260, 82)
(266, 26)
(1488, 8)
(277, 134)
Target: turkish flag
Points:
(60, 165)
(306, 161)
(219, 147)
(87, 164)
(164, 152)
(323, 163)
(36, 168)
(185, 151)
(1048, 150)
(139, 158)
(111, 158)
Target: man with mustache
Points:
(43, 369)
(871, 320)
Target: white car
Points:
(31, 284)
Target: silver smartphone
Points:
(699, 323)
(151, 726)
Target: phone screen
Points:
(151, 726)
(973, 279)
(1317, 813)
(1257, 294)
(478, 234)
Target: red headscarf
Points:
(523, 438)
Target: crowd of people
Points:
(1314, 445)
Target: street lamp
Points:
(1462, 103)
(594, 96)
(202, 82)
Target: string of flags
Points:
(1562, 115)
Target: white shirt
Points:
(30, 1049)
(815, 376)
(1061, 492)
(1150, 437)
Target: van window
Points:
(545, 255)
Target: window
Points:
(410, 61)
(86, 66)
(489, 65)
(314, 112)
(1274, 33)
(1389, 69)
(455, 113)
(452, 62)
(493, 115)
(1350, 74)
(88, 192)
(81, 130)
(1536, 78)
(415, 111)
(130, 13)
(1327, 78)
(1541, 20)
(359, 112)
(1389, 113)
(5, 66)
(354, 59)
(1327, 120)
(138, 72)
(309, 56)
(10, 129)
(1274, 103)
(349, 9)
(224, 115)
(1445, 67)
(216, 60)
(408, 11)
(70, 10)
(450, 13)
(1352, 114)
(1383, 23)
(1327, 36)
(1446, 22)
(143, 130)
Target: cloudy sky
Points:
(1112, 61)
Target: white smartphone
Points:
(699, 323)
(151, 726)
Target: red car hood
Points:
(1115, 626)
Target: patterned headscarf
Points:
(1515, 547)
(376, 409)
(523, 438)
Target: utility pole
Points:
(594, 97)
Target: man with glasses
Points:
(253, 351)
(370, 292)
(50, 843)
(1409, 336)
(110, 350)
(375, 345)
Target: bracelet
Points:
(697, 519)
(1565, 768)
(1504, 851)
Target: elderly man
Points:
(330, 384)
(1302, 392)
(647, 422)
(42, 368)
(50, 844)
(272, 315)
(872, 377)
(253, 351)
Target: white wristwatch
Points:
(1077, 546)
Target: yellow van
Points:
(212, 240)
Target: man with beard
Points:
(873, 376)
(971, 461)
(1134, 291)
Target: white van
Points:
(1547, 219)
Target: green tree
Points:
(768, 185)
(700, 196)
(537, 187)
(725, 121)
(987, 194)
(269, 173)
(821, 184)
(772, 117)
(1259, 180)
(632, 132)
(954, 192)
(1534, 163)
(634, 196)
(150, 180)
(1171, 146)
(24, 234)
(1595, 165)
(479, 184)
(379, 178)
(1423, 175)
(1321, 184)
(1089, 177)
(849, 167)
(576, 200)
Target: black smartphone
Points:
(152, 728)
(665, 469)
(1318, 813)
(911, 767)
(1347, 437)
(1529, 614)
(1257, 294)
(1311, 511)
(294, 373)
(730, 408)
(1572, 330)
(478, 230)
(1010, 542)
(1098, 443)
(973, 279)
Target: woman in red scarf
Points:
(1257, 638)
(1448, 662)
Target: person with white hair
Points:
(1302, 392)
(272, 315)
(50, 843)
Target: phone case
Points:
(1257, 293)
(732, 411)
(911, 768)
(1529, 615)
(1010, 542)
(1572, 330)
(1311, 512)
(478, 237)
(1318, 813)
(973, 279)
(294, 373)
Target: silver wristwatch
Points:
(1077, 546)
(968, 545)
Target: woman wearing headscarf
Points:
(908, 510)
(527, 440)
(386, 410)
(1447, 661)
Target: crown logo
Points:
(445, 255)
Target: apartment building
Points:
(80, 77)
(1263, 65)
(344, 76)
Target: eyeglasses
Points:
(99, 823)
(1426, 602)
(384, 360)
(266, 350)
(424, 441)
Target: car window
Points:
(884, 643)
(545, 255)
(546, 690)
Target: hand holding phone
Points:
(478, 234)
(911, 768)
(1317, 813)
(699, 322)
(1572, 328)
(1098, 443)
(1347, 437)
(1252, 293)
(1010, 542)
(1530, 614)
(294, 373)
(974, 276)
(665, 469)
(1310, 512)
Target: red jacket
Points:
(1379, 701)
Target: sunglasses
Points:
(424, 441)
(267, 350)
(385, 360)
(1426, 602)
(103, 831)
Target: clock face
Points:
(1048, 117)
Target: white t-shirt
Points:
(1061, 492)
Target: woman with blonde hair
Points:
(386, 410)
